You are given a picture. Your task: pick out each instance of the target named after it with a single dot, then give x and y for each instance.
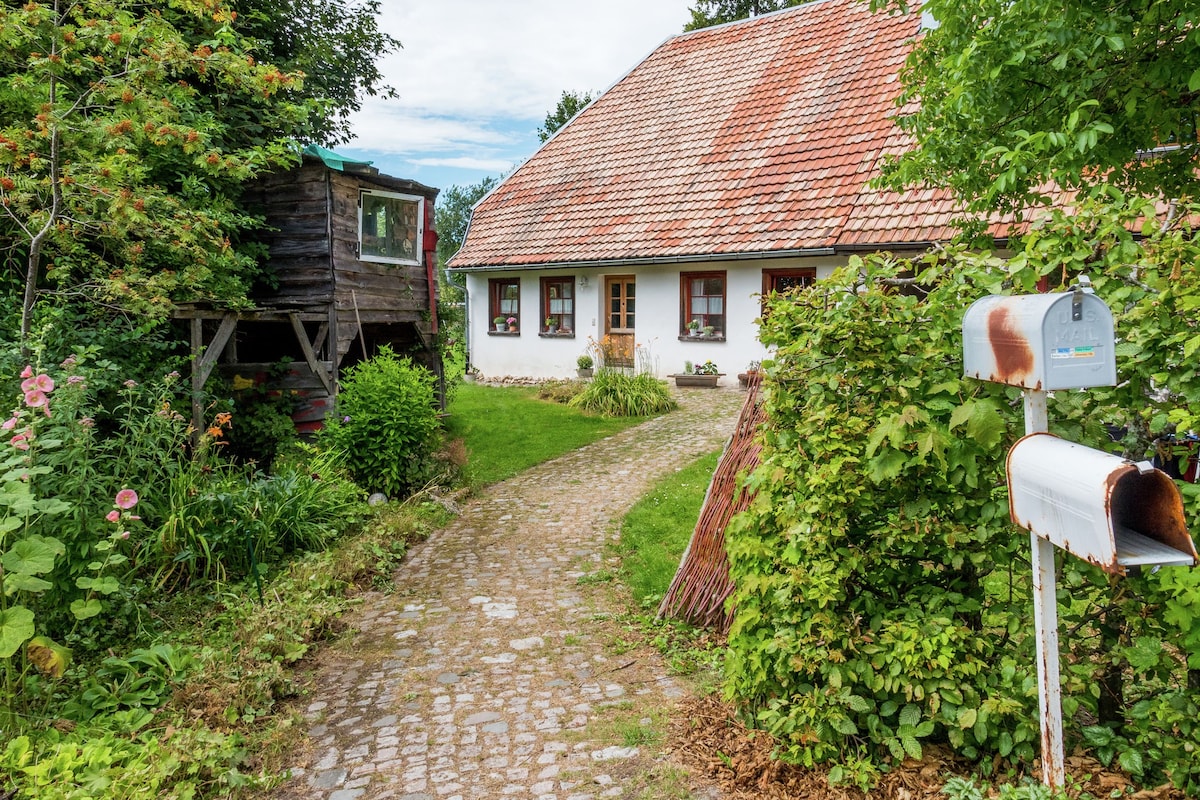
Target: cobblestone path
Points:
(491, 671)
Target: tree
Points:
(123, 144)
(715, 12)
(1007, 96)
(336, 44)
(570, 104)
(453, 214)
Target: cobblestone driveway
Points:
(489, 672)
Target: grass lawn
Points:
(656, 531)
(507, 430)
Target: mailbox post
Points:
(1085, 501)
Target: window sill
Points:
(557, 335)
(503, 333)
(701, 338)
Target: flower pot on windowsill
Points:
(683, 380)
(512, 328)
(501, 327)
(553, 329)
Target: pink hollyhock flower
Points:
(126, 498)
(44, 382)
(28, 385)
(9, 423)
(113, 516)
(124, 534)
(27, 372)
(20, 441)
(35, 398)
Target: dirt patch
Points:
(707, 737)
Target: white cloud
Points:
(470, 69)
(498, 165)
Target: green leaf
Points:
(32, 556)
(859, 704)
(16, 627)
(844, 726)
(966, 717)
(16, 582)
(910, 715)
(1144, 653)
(1131, 762)
(986, 426)
(1194, 82)
(83, 609)
(911, 746)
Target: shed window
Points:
(390, 227)
(702, 297)
(505, 298)
(558, 302)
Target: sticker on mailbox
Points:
(1073, 352)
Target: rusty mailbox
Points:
(1100, 507)
(1062, 340)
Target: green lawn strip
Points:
(656, 531)
(507, 430)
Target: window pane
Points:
(629, 289)
(716, 305)
(629, 308)
(568, 306)
(389, 228)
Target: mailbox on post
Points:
(1097, 506)
(1102, 508)
(1042, 341)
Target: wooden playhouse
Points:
(352, 255)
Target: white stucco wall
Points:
(528, 354)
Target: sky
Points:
(476, 78)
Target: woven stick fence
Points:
(702, 584)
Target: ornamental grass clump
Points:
(387, 425)
(615, 394)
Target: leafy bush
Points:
(614, 394)
(386, 423)
(883, 597)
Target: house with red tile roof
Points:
(732, 161)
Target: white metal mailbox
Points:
(1100, 507)
(1062, 340)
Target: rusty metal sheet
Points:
(1100, 507)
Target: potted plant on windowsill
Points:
(512, 324)
(705, 375)
(709, 330)
(583, 366)
(500, 323)
(694, 328)
(551, 325)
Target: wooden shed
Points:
(351, 258)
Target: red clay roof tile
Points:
(755, 136)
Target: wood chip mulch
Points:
(708, 738)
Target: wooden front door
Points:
(621, 300)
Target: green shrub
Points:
(614, 394)
(883, 596)
(386, 423)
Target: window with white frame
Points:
(390, 227)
